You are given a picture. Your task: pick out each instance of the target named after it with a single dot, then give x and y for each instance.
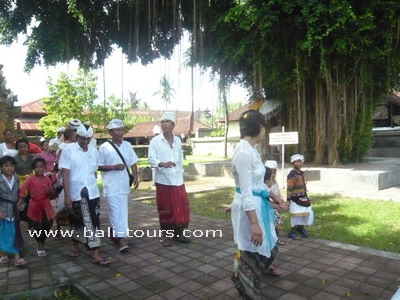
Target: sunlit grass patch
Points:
(363, 222)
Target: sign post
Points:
(283, 138)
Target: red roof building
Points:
(142, 132)
(29, 116)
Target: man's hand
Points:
(119, 167)
(168, 164)
(68, 202)
(135, 183)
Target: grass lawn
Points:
(362, 222)
(143, 162)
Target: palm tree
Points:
(133, 101)
(166, 91)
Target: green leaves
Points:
(70, 97)
(74, 97)
(325, 59)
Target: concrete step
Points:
(375, 174)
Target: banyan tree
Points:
(328, 61)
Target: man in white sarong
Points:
(115, 173)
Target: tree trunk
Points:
(226, 122)
(332, 120)
(320, 119)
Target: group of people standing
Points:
(254, 211)
(74, 167)
(23, 179)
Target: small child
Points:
(10, 233)
(273, 166)
(300, 206)
(40, 210)
(278, 204)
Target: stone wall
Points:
(386, 143)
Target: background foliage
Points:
(329, 61)
(75, 98)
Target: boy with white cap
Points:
(300, 206)
(165, 155)
(116, 166)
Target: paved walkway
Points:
(313, 268)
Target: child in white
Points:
(273, 165)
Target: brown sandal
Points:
(74, 253)
(20, 262)
(102, 263)
(166, 242)
(274, 271)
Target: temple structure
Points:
(8, 111)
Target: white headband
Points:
(168, 116)
(115, 123)
(83, 132)
(272, 164)
(297, 157)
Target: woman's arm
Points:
(243, 165)
(256, 233)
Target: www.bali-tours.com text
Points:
(129, 233)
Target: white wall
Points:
(212, 146)
(233, 131)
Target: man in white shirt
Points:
(165, 155)
(115, 177)
(79, 165)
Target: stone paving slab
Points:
(312, 268)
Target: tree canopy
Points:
(329, 61)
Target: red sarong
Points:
(172, 205)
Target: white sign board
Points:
(282, 138)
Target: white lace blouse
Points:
(248, 172)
